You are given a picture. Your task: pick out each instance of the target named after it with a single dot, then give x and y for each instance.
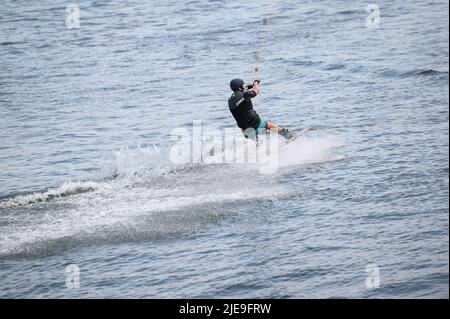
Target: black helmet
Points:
(237, 84)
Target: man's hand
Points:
(256, 87)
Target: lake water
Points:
(86, 177)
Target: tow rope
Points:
(263, 39)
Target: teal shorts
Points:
(262, 124)
(254, 133)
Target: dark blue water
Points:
(86, 177)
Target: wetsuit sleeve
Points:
(250, 94)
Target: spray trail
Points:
(149, 198)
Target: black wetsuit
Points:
(241, 107)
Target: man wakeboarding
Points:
(247, 119)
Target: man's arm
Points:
(250, 94)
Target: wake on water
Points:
(147, 198)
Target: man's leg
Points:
(282, 131)
(271, 125)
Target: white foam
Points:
(303, 150)
(147, 187)
(69, 188)
(309, 150)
